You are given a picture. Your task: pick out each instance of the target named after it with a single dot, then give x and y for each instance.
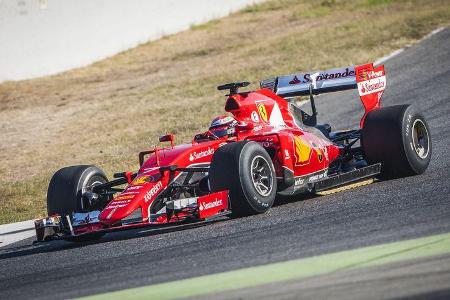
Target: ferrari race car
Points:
(266, 147)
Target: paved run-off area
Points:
(14, 232)
(383, 212)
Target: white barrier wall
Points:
(43, 37)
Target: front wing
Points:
(175, 212)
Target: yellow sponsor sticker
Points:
(262, 111)
(124, 197)
(140, 180)
(302, 150)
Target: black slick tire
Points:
(398, 137)
(64, 194)
(235, 167)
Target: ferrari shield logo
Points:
(262, 112)
(319, 155)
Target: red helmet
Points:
(222, 126)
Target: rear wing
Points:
(369, 81)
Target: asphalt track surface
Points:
(382, 212)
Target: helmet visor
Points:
(220, 131)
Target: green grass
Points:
(104, 114)
(379, 2)
(205, 26)
(29, 192)
(210, 285)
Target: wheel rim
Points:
(421, 139)
(262, 177)
(88, 186)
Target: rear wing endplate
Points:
(369, 80)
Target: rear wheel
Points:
(398, 137)
(246, 170)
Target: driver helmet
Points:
(223, 126)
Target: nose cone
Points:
(139, 194)
(121, 206)
(117, 210)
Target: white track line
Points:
(397, 52)
(432, 33)
(14, 232)
(387, 57)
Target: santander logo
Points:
(335, 74)
(196, 155)
(295, 81)
(208, 205)
(372, 85)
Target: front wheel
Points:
(65, 193)
(398, 137)
(246, 170)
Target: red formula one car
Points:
(266, 147)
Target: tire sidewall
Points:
(258, 202)
(90, 177)
(64, 194)
(419, 165)
(387, 138)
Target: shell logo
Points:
(364, 75)
(262, 111)
(302, 150)
(141, 180)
